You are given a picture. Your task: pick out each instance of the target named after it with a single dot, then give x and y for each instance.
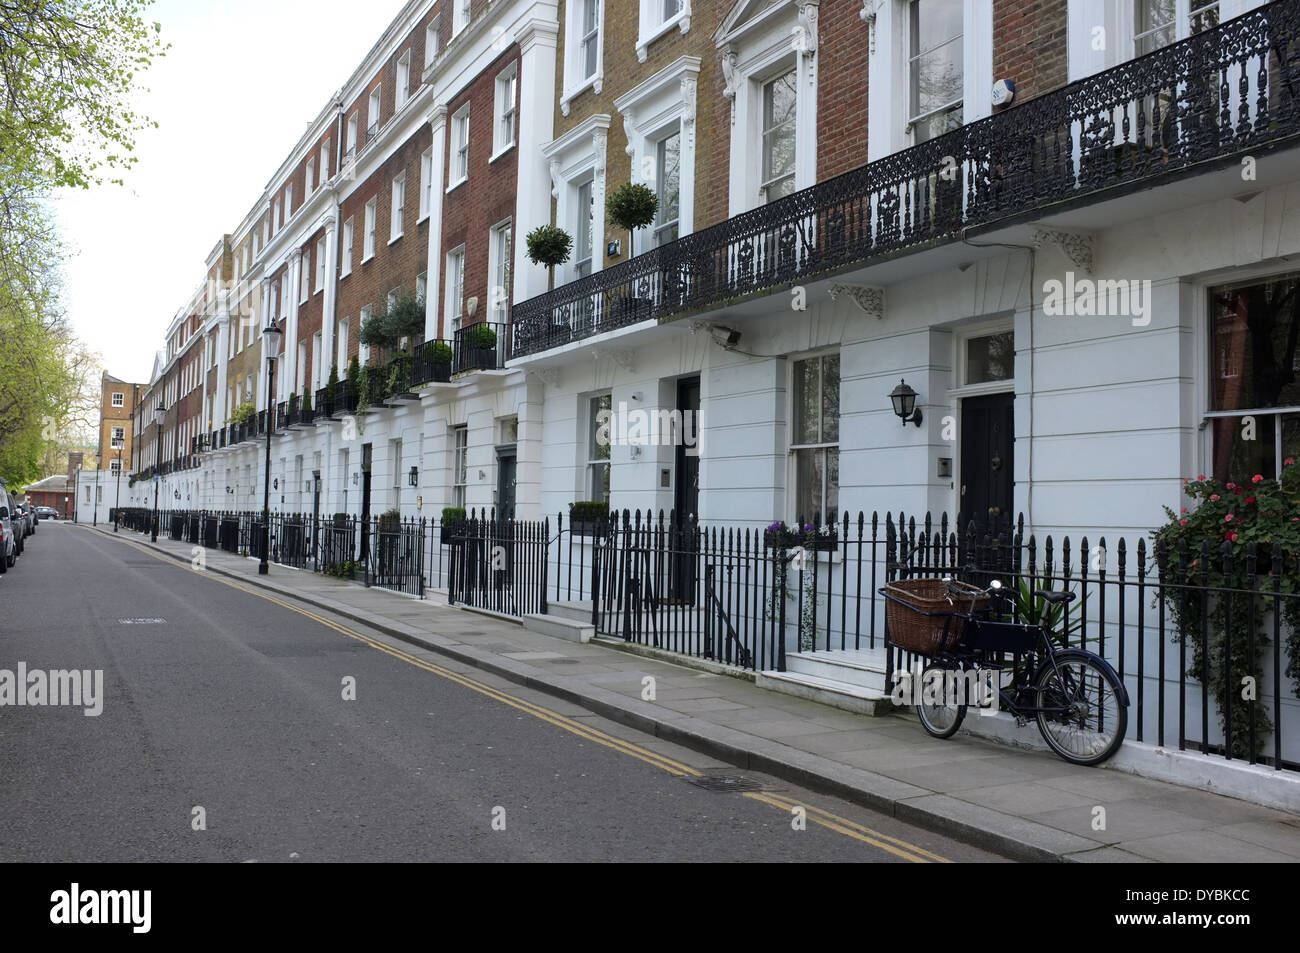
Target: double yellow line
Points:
(833, 822)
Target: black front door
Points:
(987, 473)
(366, 459)
(686, 494)
(506, 470)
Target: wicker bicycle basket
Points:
(926, 616)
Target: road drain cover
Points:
(722, 784)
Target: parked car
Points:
(32, 515)
(18, 523)
(8, 536)
(47, 512)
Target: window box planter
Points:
(588, 519)
(453, 523)
(778, 538)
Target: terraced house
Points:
(1025, 263)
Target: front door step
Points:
(827, 691)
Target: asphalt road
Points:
(225, 701)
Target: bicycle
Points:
(1079, 702)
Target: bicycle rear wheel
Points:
(1093, 726)
(936, 703)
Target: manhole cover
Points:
(723, 784)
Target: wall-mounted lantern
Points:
(415, 476)
(904, 399)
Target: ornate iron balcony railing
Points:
(1205, 101)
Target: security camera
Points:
(726, 337)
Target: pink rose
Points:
(1182, 522)
(1201, 476)
(1250, 499)
(1230, 537)
(1288, 461)
(1214, 497)
(1228, 518)
(1184, 509)
(1257, 478)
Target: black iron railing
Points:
(1205, 101)
(396, 557)
(324, 402)
(431, 363)
(480, 347)
(499, 565)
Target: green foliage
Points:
(588, 510)
(1064, 623)
(480, 337)
(243, 413)
(1225, 518)
(70, 70)
(452, 514)
(404, 318)
(306, 398)
(392, 515)
(334, 378)
(438, 352)
(340, 517)
(354, 379)
(549, 245)
(632, 206)
(399, 376)
(363, 387)
(344, 570)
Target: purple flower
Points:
(776, 527)
(808, 528)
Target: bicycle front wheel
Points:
(1090, 718)
(937, 706)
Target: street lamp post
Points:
(117, 507)
(159, 416)
(271, 337)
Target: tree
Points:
(69, 69)
(632, 206)
(549, 245)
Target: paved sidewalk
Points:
(1028, 805)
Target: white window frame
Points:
(764, 180)
(345, 267)
(459, 465)
(426, 184)
(276, 215)
(596, 462)
(354, 126)
(459, 172)
(368, 239)
(422, 286)
(583, 255)
(402, 82)
(887, 73)
(792, 465)
(374, 109)
(397, 215)
(504, 126)
(575, 157)
(455, 301)
(341, 336)
(304, 277)
(288, 203)
(460, 16)
(320, 266)
(118, 399)
(363, 349)
(310, 176)
(431, 40)
(325, 161)
(653, 24)
(499, 269)
(910, 119)
(576, 78)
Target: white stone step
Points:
(577, 610)
(827, 691)
(864, 669)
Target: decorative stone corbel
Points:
(1076, 246)
(868, 16)
(690, 88)
(555, 178)
(600, 143)
(623, 358)
(870, 298)
(629, 126)
(549, 376)
(731, 77)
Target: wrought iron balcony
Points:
(480, 347)
(1190, 107)
(345, 399)
(324, 402)
(431, 363)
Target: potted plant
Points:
(1228, 517)
(352, 385)
(438, 354)
(588, 518)
(453, 519)
(399, 378)
(632, 206)
(306, 403)
(479, 347)
(778, 535)
(340, 519)
(549, 245)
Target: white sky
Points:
(239, 86)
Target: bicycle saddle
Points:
(1054, 597)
